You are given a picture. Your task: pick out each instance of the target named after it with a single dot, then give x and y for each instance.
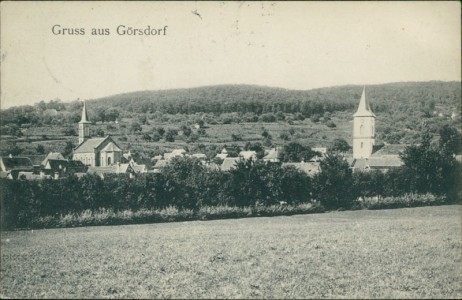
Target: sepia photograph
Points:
(230, 150)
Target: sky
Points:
(293, 45)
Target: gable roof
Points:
(111, 147)
(89, 145)
(56, 164)
(390, 149)
(381, 162)
(364, 109)
(15, 163)
(52, 155)
(101, 170)
(229, 163)
(160, 163)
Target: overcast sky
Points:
(296, 45)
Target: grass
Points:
(169, 214)
(400, 253)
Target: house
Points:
(63, 167)
(14, 165)
(96, 152)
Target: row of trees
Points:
(186, 184)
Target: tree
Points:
(100, 114)
(135, 127)
(295, 152)
(201, 132)
(68, 149)
(170, 135)
(340, 145)
(431, 169)
(40, 149)
(257, 147)
(160, 131)
(450, 140)
(334, 184)
(112, 114)
(236, 137)
(99, 132)
(186, 130)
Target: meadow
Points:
(400, 253)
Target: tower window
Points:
(361, 129)
(362, 144)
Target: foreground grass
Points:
(400, 253)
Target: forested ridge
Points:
(259, 99)
(421, 97)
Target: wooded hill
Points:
(421, 98)
(259, 99)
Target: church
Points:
(95, 152)
(364, 158)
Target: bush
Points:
(407, 200)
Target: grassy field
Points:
(401, 253)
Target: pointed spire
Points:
(84, 114)
(364, 109)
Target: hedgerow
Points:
(187, 190)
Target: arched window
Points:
(362, 144)
(108, 161)
(361, 129)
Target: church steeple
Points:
(364, 109)
(84, 125)
(84, 118)
(363, 129)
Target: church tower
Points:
(363, 129)
(84, 126)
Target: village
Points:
(102, 155)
